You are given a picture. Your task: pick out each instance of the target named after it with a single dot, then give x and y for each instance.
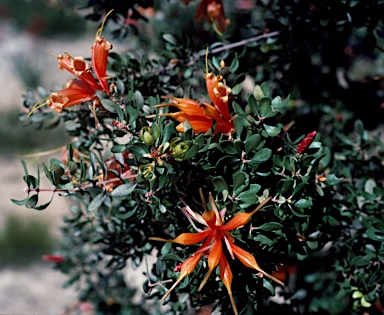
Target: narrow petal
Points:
(185, 238)
(188, 266)
(213, 258)
(248, 260)
(219, 220)
(210, 217)
(242, 218)
(186, 105)
(227, 276)
(100, 51)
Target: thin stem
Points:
(99, 183)
(238, 44)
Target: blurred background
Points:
(27, 29)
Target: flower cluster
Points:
(202, 116)
(84, 87)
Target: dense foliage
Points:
(186, 117)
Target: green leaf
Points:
(192, 151)
(118, 148)
(167, 247)
(220, 184)
(231, 147)
(32, 201)
(262, 155)
(303, 203)
(109, 105)
(170, 39)
(265, 88)
(168, 130)
(277, 103)
(124, 216)
(236, 90)
(332, 179)
(272, 130)
(239, 179)
(265, 108)
(271, 226)
(252, 104)
(20, 202)
(171, 257)
(360, 261)
(234, 64)
(264, 240)
(138, 149)
(268, 286)
(252, 142)
(124, 190)
(97, 201)
(139, 99)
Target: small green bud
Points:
(148, 171)
(179, 150)
(160, 162)
(146, 135)
(258, 93)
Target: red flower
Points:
(53, 258)
(84, 87)
(306, 142)
(202, 115)
(213, 12)
(213, 236)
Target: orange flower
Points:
(213, 235)
(84, 87)
(202, 115)
(213, 12)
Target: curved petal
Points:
(248, 260)
(242, 218)
(100, 51)
(227, 276)
(68, 97)
(213, 258)
(188, 266)
(185, 238)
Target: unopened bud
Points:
(146, 136)
(179, 150)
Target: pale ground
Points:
(37, 290)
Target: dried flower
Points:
(84, 87)
(213, 236)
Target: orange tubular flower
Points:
(213, 12)
(202, 115)
(84, 87)
(213, 235)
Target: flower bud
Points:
(146, 136)
(179, 150)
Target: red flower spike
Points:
(213, 236)
(202, 115)
(84, 87)
(306, 142)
